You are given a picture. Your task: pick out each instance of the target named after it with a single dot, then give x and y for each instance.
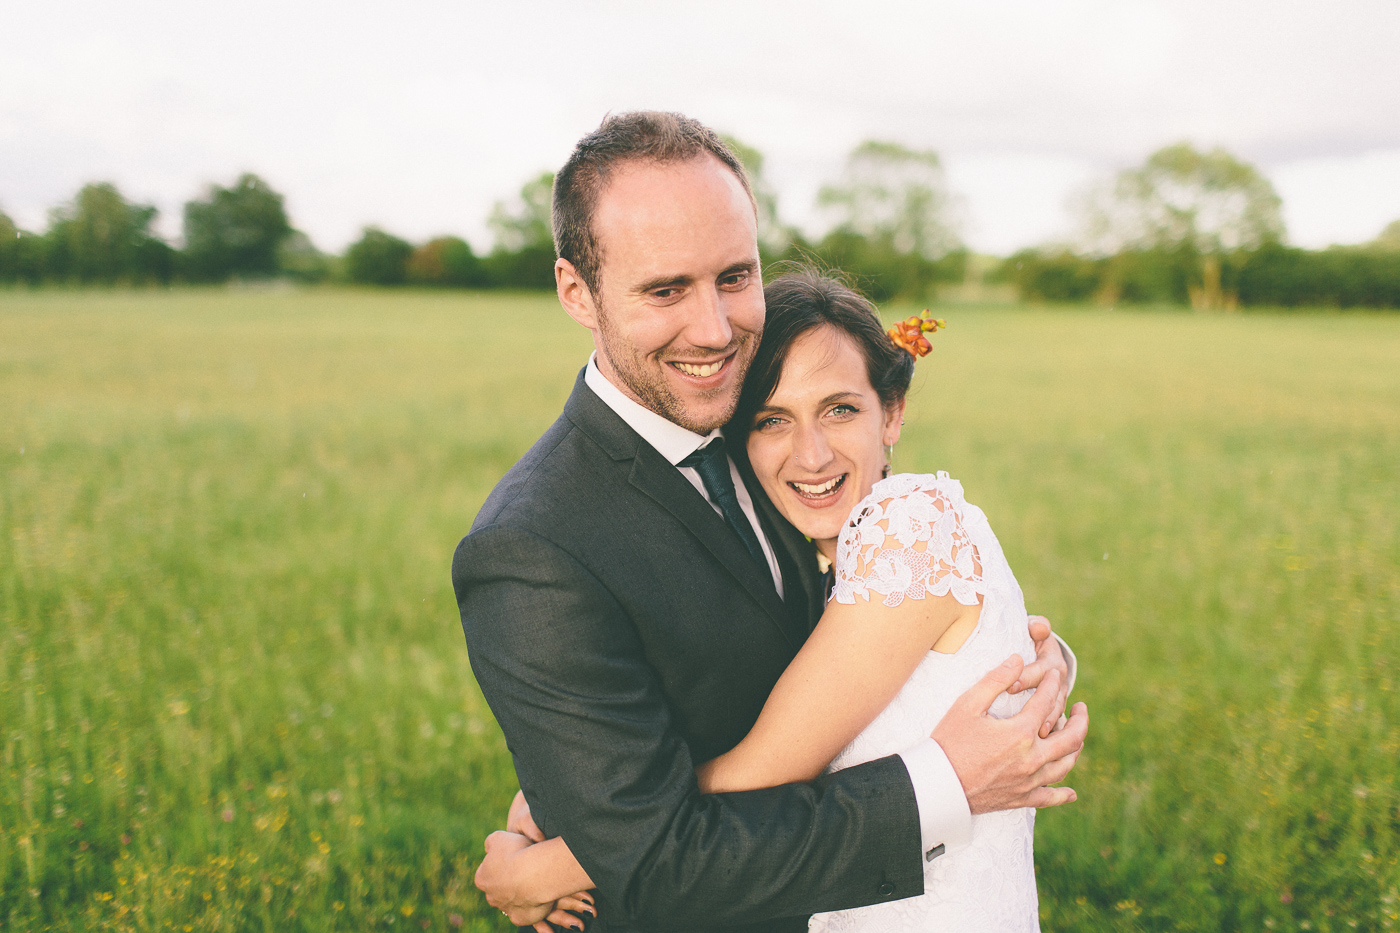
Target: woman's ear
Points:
(894, 420)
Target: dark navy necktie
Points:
(713, 466)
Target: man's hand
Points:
(499, 876)
(1048, 657)
(1005, 763)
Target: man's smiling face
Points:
(678, 311)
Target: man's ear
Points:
(894, 420)
(574, 294)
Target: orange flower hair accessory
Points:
(908, 334)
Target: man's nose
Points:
(709, 325)
(811, 452)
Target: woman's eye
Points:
(766, 423)
(845, 410)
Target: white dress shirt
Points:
(944, 817)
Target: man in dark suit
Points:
(630, 597)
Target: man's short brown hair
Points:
(643, 135)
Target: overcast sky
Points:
(418, 115)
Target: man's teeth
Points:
(809, 490)
(708, 369)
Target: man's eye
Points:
(734, 279)
(665, 293)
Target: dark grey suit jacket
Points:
(622, 634)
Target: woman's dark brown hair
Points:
(801, 301)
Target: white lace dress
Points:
(915, 535)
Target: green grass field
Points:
(234, 693)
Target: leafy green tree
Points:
(446, 261)
(1341, 276)
(897, 196)
(235, 231)
(773, 235)
(21, 253)
(1051, 274)
(525, 223)
(299, 260)
(523, 256)
(895, 232)
(9, 249)
(1184, 200)
(378, 258)
(102, 238)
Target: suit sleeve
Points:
(599, 759)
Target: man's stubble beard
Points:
(650, 388)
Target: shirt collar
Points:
(672, 441)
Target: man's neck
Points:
(671, 440)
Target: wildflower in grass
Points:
(1220, 858)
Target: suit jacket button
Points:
(886, 889)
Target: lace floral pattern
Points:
(915, 535)
(907, 539)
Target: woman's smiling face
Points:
(817, 445)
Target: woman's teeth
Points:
(708, 369)
(821, 489)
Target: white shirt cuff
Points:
(945, 820)
(1069, 659)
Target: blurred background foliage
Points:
(1188, 227)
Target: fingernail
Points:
(1015, 687)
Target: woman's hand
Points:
(520, 821)
(504, 876)
(1048, 657)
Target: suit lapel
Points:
(656, 478)
(664, 484)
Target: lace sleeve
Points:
(907, 539)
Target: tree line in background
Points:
(1205, 229)
(1187, 226)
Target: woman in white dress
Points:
(922, 602)
(921, 605)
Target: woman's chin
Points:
(819, 519)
